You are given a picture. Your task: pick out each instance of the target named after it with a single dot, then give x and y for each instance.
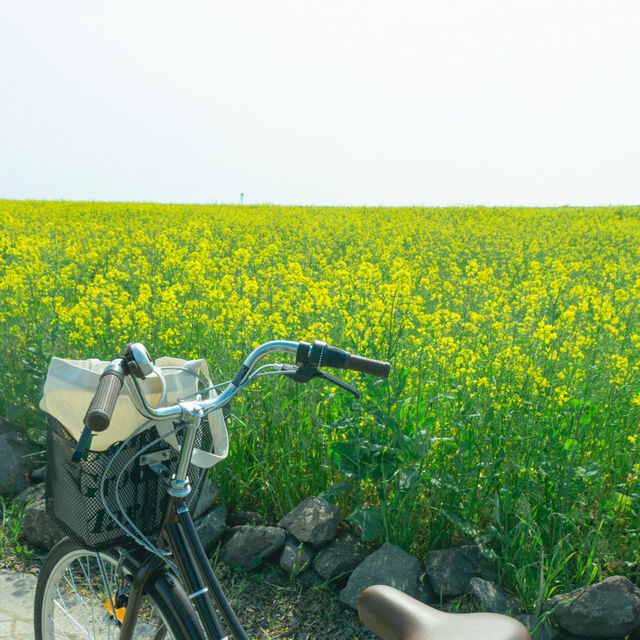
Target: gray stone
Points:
(527, 619)
(493, 598)
(314, 521)
(609, 609)
(239, 518)
(426, 592)
(388, 565)
(39, 474)
(310, 580)
(249, 546)
(545, 631)
(450, 570)
(21, 457)
(296, 556)
(29, 494)
(15, 463)
(212, 526)
(538, 630)
(340, 557)
(37, 528)
(206, 499)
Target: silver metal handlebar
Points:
(190, 410)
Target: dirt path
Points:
(17, 591)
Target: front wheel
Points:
(76, 589)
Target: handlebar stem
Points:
(186, 452)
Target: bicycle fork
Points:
(144, 573)
(199, 580)
(194, 566)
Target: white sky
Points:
(321, 102)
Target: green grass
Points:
(14, 553)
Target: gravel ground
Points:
(269, 604)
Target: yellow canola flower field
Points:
(510, 303)
(513, 332)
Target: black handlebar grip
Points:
(367, 365)
(320, 354)
(100, 410)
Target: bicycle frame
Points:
(195, 571)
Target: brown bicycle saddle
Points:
(393, 615)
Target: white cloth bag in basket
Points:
(71, 384)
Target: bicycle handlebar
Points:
(315, 355)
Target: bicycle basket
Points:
(73, 490)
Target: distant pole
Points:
(241, 197)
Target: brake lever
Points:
(309, 372)
(340, 383)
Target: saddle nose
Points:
(393, 615)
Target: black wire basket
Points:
(74, 490)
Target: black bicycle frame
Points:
(195, 571)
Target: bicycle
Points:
(145, 574)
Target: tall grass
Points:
(13, 551)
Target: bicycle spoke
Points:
(55, 624)
(70, 581)
(82, 603)
(87, 574)
(106, 583)
(72, 619)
